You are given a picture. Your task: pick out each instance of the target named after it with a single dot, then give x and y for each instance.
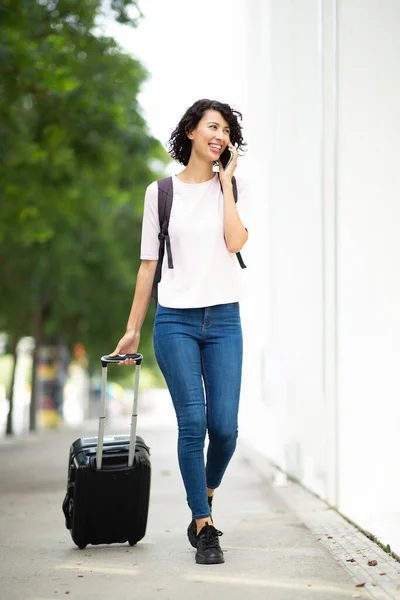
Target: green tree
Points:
(76, 157)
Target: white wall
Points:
(285, 128)
(368, 289)
(323, 399)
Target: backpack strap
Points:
(165, 198)
(235, 195)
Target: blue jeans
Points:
(196, 346)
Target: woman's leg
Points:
(178, 354)
(222, 370)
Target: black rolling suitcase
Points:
(108, 487)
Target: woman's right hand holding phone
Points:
(128, 344)
(226, 174)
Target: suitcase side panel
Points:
(139, 531)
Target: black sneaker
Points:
(208, 549)
(192, 529)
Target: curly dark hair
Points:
(179, 145)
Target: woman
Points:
(197, 330)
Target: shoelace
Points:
(210, 536)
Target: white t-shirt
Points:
(205, 273)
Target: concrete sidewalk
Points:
(275, 541)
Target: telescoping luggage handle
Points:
(100, 440)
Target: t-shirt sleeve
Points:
(150, 225)
(243, 205)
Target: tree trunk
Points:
(9, 425)
(35, 360)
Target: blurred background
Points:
(89, 92)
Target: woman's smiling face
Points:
(211, 136)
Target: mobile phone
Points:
(226, 157)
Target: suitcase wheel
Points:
(82, 546)
(132, 543)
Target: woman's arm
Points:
(129, 343)
(235, 233)
(142, 296)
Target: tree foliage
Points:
(76, 157)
